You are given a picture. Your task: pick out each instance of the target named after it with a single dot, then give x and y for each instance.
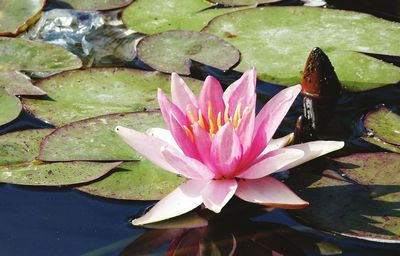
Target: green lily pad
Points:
(94, 5)
(20, 54)
(364, 204)
(94, 139)
(154, 16)
(10, 107)
(380, 143)
(172, 51)
(277, 40)
(384, 124)
(243, 2)
(16, 16)
(54, 174)
(140, 180)
(21, 146)
(16, 83)
(80, 94)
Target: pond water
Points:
(64, 221)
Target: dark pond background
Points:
(62, 221)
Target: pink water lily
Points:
(217, 142)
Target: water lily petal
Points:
(258, 144)
(278, 143)
(226, 151)
(165, 135)
(245, 129)
(202, 140)
(313, 150)
(168, 108)
(217, 193)
(182, 200)
(241, 91)
(272, 114)
(183, 140)
(181, 93)
(270, 192)
(272, 162)
(148, 146)
(211, 95)
(188, 167)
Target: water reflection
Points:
(233, 232)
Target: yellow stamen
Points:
(201, 120)
(189, 133)
(219, 120)
(237, 116)
(211, 119)
(191, 116)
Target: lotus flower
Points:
(218, 143)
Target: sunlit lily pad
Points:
(135, 181)
(16, 16)
(380, 143)
(54, 174)
(155, 16)
(95, 138)
(93, 5)
(21, 146)
(243, 2)
(384, 124)
(172, 51)
(10, 107)
(81, 94)
(366, 205)
(16, 83)
(277, 40)
(20, 54)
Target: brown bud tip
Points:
(319, 78)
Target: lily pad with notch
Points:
(139, 180)
(10, 107)
(94, 139)
(80, 94)
(93, 5)
(362, 203)
(17, 83)
(17, 16)
(54, 174)
(142, 16)
(173, 51)
(277, 41)
(26, 55)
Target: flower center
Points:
(211, 122)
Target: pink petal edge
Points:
(217, 193)
(181, 93)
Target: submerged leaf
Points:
(173, 51)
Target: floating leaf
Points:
(21, 146)
(380, 143)
(366, 208)
(20, 54)
(80, 94)
(172, 51)
(16, 83)
(384, 124)
(95, 138)
(16, 16)
(10, 107)
(94, 5)
(277, 41)
(139, 180)
(54, 174)
(243, 2)
(142, 16)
